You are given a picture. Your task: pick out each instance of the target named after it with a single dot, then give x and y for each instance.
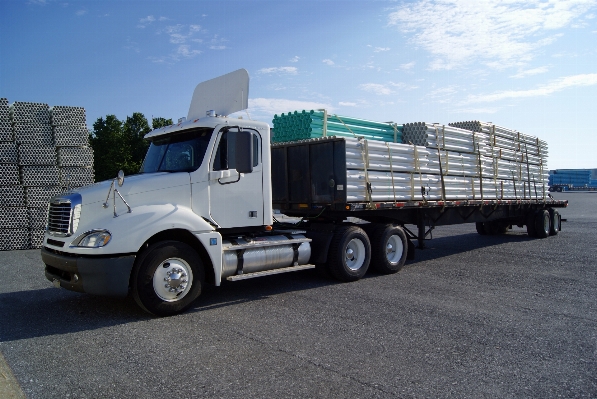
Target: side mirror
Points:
(244, 151)
(120, 178)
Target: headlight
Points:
(93, 239)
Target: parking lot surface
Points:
(471, 317)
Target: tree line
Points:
(120, 145)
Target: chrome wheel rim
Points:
(172, 279)
(355, 254)
(394, 249)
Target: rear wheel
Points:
(530, 222)
(350, 253)
(556, 222)
(168, 277)
(389, 248)
(480, 226)
(542, 224)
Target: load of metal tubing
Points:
(304, 125)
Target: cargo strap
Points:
(391, 171)
(528, 168)
(480, 173)
(441, 173)
(418, 169)
(514, 183)
(365, 156)
(345, 125)
(395, 126)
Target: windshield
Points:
(182, 152)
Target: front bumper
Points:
(108, 276)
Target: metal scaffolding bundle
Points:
(75, 156)
(4, 110)
(12, 196)
(37, 217)
(6, 130)
(9, 174)
(40, 196)
(31, 154)
(14, 217)
(8, 153)
(72, 176)
(26, 112)
(33, 133)
(37, 176)
(71, 135)
(66, 115)
(13, 239)
(37, 238)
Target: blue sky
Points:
(528, 65)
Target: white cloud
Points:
(164, 19)
(143, 22)
(294, 59)
(376, 88)
(266, 108)
(381, 49)
(476, 110)
(288, 70)
(177, 38)
(530, 72)
(500, 34)
(327, 61)
(543, 90)
(194, 28)
(217, 47)
(407, 66)
(185, 50)
(347, 104)
(80, 13)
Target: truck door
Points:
(235, 199)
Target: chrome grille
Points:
(59, 217)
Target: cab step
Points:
(269, 272)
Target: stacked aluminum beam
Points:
(43, 152)
(381, 171)
(75, 157)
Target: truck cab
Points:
(194, 212)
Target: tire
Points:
(542, 224)
(555, 221)
(530, 222)
(350, 253)
(389, 249)
(154, 287)
(480, 226)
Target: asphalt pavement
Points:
(471, 317)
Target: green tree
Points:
(134, 130)
(157, 123)
(107, 143)
(121, 145)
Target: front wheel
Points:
(349, 254)
(168, 277)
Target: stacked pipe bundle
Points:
(33, 169)
(404, 172)
(305, 125)
(75, 157)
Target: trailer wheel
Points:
(555, 221)
(350, 253)
(389, 249)
(480, 226)
(542, 224)
(167, 278)
(530, 222)
(495, 227)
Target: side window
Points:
(225, 154)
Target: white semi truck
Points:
(201, 210)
